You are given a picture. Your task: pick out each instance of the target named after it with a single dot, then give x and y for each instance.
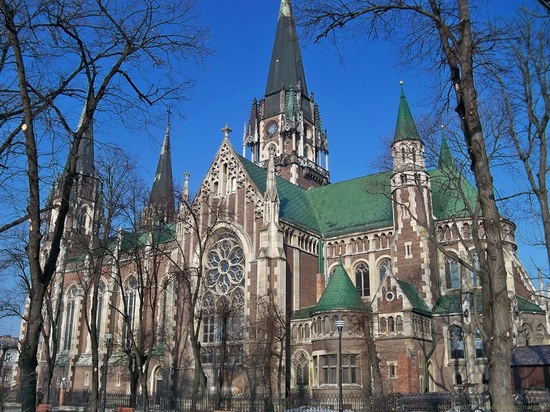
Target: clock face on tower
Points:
(271, 128)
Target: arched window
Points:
(101, 304)
(208, 318)
(301, 367)
(383, 325)
(70, 317)
(399, 324)
(385, 267)
(452, 273)
(237, 315)
(392, 370)
(526, 334)
(480, 345)
(131, 297)
(456, 341)
(362, 281)
(540, 334)
(391, 324)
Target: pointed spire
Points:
(406, 127)
(85, 158)
(446, 160)
(162, 193)
(286, 67)
(340, 293)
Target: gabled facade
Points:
(271, 237)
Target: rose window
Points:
(225, 265)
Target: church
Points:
(257, 268)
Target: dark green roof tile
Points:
(302, 313)
(340, 294)
(354, 205)
(417, 302)
(452, 303)
(405, 128)
(525, 305)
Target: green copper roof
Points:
(453, 196)
(525, 305)
(340, 294)
(452, 303)
(406, 127)
(302, 313)
(359, 204)
(445, 158)
(353, 205)
(417, 302)
(295, 207)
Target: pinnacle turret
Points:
(445, 158)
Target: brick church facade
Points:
(279, 253)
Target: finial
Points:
(401, 82)
(226, 130)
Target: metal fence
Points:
(527, 400)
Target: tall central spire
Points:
(286, 69)
(287, 121)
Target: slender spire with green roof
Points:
(340, 294)
(445, 158)
(406, 127)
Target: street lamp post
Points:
(109, 341)
(340, 327)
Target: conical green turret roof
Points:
(340, 294)
(406, 127)
(445, 158)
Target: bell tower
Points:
(414, 253)
(287, 121)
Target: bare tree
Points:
(526, 100)
(58, 53)
(445, 32)
(197, 222)
(267, 355)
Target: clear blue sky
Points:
(358, 98)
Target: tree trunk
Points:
(199, 381)
(496, 303)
